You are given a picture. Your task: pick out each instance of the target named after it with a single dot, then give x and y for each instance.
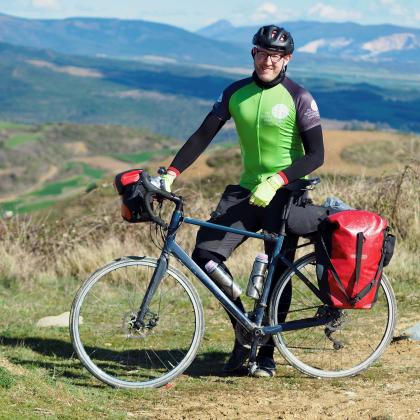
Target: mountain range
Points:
(166, 79)
(218, 44)
(346, 40)
(115, 38)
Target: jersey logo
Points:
(312, 113)
(280, 111)
(219, 99)
(314, 106)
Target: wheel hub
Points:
(134, 329)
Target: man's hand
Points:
(167, 180)
(264, 192)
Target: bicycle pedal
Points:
(252, 367)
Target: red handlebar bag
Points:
(132, 192)
(351, 250)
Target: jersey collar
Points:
(268, 85)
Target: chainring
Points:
(245, 337)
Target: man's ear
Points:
(287, 58)
(253, 52)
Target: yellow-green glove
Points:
(168, 179)
(264, 192)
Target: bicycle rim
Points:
(344, 347)
(120, 355)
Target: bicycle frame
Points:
(172, 247)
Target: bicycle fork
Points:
(160, 270)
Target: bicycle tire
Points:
(105, 341)
(363, 334)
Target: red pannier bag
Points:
(132, 192)
(352, 248)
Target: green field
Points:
(143, 156)
(57, 188)
(87, 170)
(7, 125)
(19, 139)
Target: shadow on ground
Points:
(59, 356)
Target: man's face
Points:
(268, 64)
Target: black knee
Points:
(201, 257)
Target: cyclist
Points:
(280, 135)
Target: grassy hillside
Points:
(40, 164)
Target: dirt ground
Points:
(336, 141)
(389, 390)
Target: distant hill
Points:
(116, 38)
(38, 86)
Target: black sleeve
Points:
(197, 143)
(313, 144)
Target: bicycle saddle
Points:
(302, 184)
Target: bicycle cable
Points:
(156, 235)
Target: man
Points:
(279, 131)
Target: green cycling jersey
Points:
(269, 123)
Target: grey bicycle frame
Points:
(172, 247)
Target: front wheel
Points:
(348, 344)
(107, 340)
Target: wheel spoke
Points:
(363, 334)
(113, 349)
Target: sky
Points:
(192, 15)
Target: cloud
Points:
(46, 4)
(268, 9)
(327, 12)
(387, 2)
(270, 12)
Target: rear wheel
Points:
(108, 343)
(350, 343)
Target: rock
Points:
(61, 320)
(414, 332)
(350, 394)
(8, 214)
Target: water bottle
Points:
(256, 279)
(223, 279)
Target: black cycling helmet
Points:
(272, 37)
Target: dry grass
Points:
(76, 245)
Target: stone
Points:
(61, 320)
(414, 332)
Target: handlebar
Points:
(151, 190)
(296, 187)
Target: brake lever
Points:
(152, 215)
